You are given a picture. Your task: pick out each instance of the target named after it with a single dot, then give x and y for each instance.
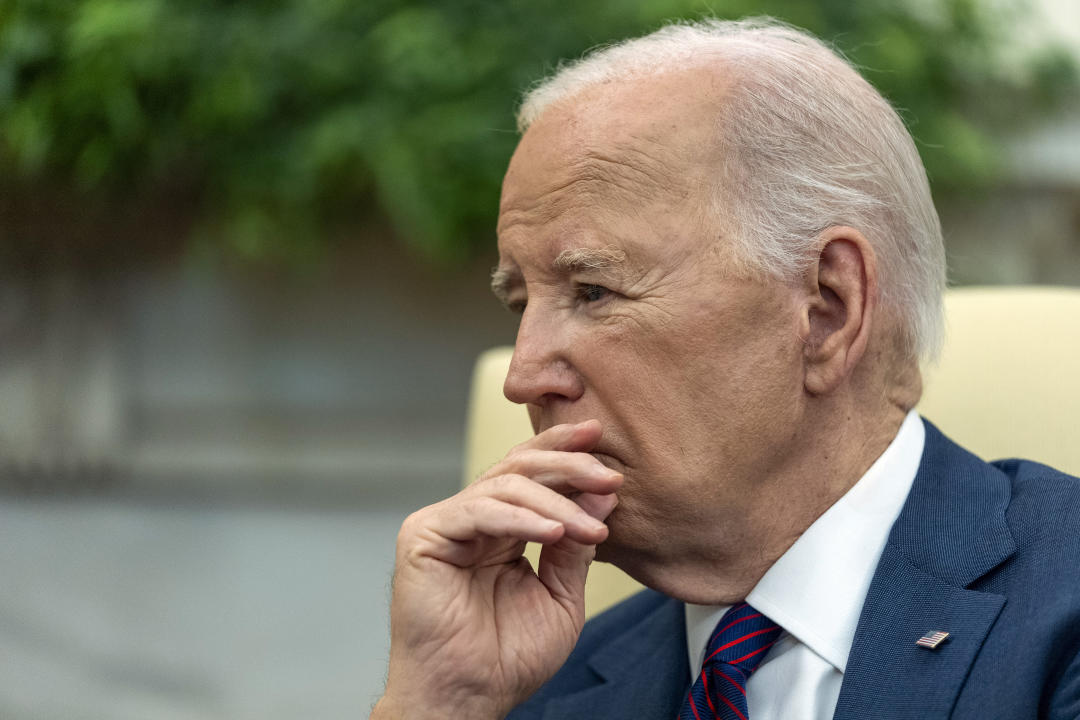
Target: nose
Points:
(541, 371)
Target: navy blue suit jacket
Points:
(989, 552)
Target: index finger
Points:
(568, 437)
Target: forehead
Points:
(612, 163)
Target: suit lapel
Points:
(644, 671)
(951, 532)
(887, 675)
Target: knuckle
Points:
(415, 522)
(510, 461)
(497, 484)
(410, 526)
(525, 455)
(506, 483)
(518, 515)
(521, 447)
(491, 471)
(483, 505)
(520, 462)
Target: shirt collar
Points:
(816, 590)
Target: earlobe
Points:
(838, 318)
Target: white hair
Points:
(808, 144)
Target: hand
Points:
(473, 629)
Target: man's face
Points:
(631, 314)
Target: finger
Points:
(581, 436)
(486, 516)
(563, 568)
(523, 491)
(596, 505)
(559, 470)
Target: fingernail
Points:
(606, 473)
(595, 524)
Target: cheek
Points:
(752, 399)
(652, 377)
(638, 363)
(726, 379)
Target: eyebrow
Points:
(568, 261)
(589, 259)
(502, 281)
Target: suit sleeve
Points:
(1065, 702)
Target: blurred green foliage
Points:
(281, 127)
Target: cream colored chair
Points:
(1007, 385)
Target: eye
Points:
(516, 306)
(592, 293)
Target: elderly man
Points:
(728, 266)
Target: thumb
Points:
(563, 567)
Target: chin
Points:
(630, 561)
(635, 551)
(623, 545)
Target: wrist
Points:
(390, 707)
(387, 709)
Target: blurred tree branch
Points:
(265, 131)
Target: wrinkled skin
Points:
(473, 629)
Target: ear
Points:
(839, 313)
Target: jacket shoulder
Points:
(576, 674)
(617, 618)
(1045, 503)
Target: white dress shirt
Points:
(816, 590)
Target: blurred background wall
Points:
(244, 251)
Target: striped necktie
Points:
(738, 645)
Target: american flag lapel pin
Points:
(932, 639)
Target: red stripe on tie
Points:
(750, 655)
(705, 686)
(744, 637)
(693, 707)
(733, 708)
(725, 676)
(748, 617)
